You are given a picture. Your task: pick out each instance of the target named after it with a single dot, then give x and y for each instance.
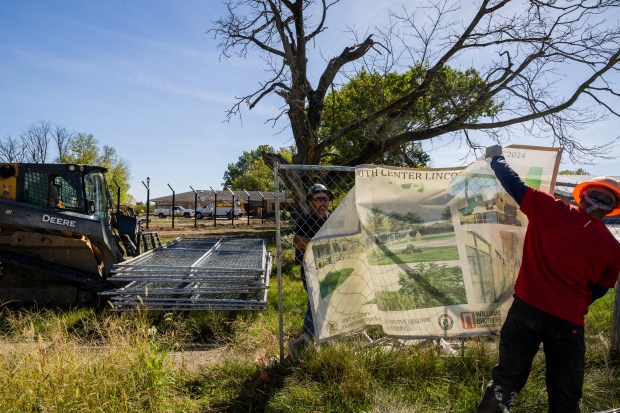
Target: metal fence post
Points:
(248, 211)
(214, 210)
(232, 208)
(118, 196)
(279, 264)
(195, 206)
(148, 200)
(262, 208)
(173, 204)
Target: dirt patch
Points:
(187, 228)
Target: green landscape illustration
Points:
(423, 256)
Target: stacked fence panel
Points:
(194, 274)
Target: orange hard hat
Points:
(604, 182)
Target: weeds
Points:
(49, 365)
(88, 361)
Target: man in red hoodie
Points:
(569, 260)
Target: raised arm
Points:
(509, 179)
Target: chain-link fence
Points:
(304, 214)
(314, 191)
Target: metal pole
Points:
(118, 196)
(232, 210)
(195, 206)
(173, 205)
(214, 210)
(148, 201)
(279, 264)
(248, 210)
(262, 208)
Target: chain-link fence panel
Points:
(312, 193)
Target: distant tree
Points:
(241, 167)
(118, 170)
(578, 171)
(11, 150)
(366, 93)
(140, 206)
(130, 200)
(35, 141)
(258, 177)
(62, 138)
(250, 172)
(84, 149)
(33, 145)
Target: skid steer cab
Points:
(58, 237)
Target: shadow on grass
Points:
(250, 391)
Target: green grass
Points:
(333, 280)
(437, 236)
(447, 253)
(97, 361)
(428, 285)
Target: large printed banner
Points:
(423, 252)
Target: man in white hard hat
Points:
(318, 197)
(569, 259)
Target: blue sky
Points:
(144, 77)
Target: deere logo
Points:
(58, 221)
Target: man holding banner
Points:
(569, 259)
(307, 226)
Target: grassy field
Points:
(99, 361)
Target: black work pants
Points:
(523, 331)
(308, 325)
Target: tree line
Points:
(44, 142)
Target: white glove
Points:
(493, 151)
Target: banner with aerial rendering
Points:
(423, 253)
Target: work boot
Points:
(496, 400)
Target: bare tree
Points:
(35, 141)
(62, 138)
(548, 65)
(11, 150)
